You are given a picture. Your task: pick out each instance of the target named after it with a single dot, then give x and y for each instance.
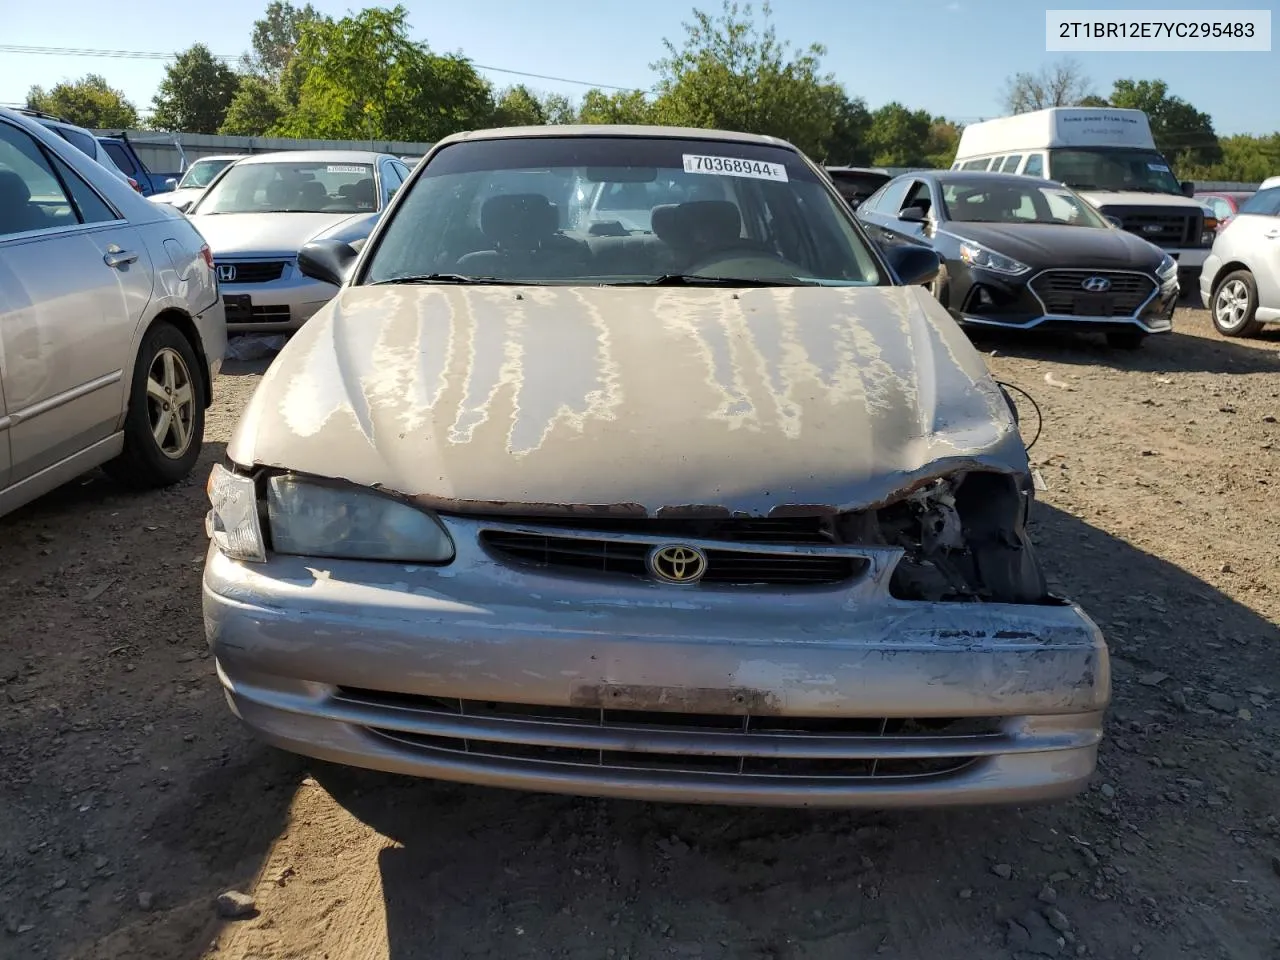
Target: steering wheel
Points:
(742, 251)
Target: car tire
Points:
(1126, 339)
(1234, 305)
(164, 427)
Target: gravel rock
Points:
(1108, 791)
(1002, 870)
(146, 899)
(1221, 702)
(234, 905)
(1057, 919)
(1047, 895)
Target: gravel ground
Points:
(131, 799)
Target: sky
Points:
(950, 57)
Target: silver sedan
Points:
(728, 510)
(261, 210)
(111, 330)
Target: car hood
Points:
(177, 196)
(639, 401)
(1135, 198)
(1058, 245)
(232, 233)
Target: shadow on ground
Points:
(480, 872)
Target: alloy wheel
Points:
(170, 403)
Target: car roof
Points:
(1012, 179)
(317, 156)
(611, 130)
(221, 156)
(879, 171)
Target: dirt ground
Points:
(130, 798)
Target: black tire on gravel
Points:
(166, 361)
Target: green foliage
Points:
(631, 107)
(362, 78)
(275, 38)
(735, 74)
(195, 93)
(518, 107)
(87, 102)
(559, 109)
(255, 110)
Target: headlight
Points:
(977, 255)
(353, 523)
(1168, 267)
(232, 523)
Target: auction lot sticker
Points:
(735, 167)
(342, 168)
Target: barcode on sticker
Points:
(338, 168)
(734, 167)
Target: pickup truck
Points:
(121, 150)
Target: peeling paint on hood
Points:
(640, 400)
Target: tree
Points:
(362, 78)
(518, 107)
(898, 137)
(88, 102)
(255, 110)
(1178, 128)
(734, 74)
(630, 107)
(275, 38)
(195, 93)
(942, 143)
(851, 122)
(558, 109)
(1060, 85)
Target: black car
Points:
(1023, 252)
(855, 184)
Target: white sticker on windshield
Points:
(338, 168)
(734, 167)
(1159, 167)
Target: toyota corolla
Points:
(723, 510)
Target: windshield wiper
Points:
(452, 278)
(698, 280)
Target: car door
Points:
(881, 210)
(74, 280)
(1259, 221)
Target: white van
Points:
(1108, 156)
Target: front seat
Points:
(17, 213)
(527, 242)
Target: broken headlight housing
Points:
(232, 522)
(317, 519)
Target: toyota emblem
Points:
(227, 272)
(677, 563)
(1096, 284)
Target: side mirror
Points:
(1115, 222)
(914, 265)
(1188, 188)
(327, 260)
(171, 183)
(913, 215)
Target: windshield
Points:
(1142, 170)
(1005, 201)
(620, 210)
(293, 186)
(201, 172)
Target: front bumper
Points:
(276, 306)
(983, 298)
(488, 674)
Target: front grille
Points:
(1062, 293)
(240, 308)
(623, 739)
(256, 271)
(629, 558)
(1159, 225)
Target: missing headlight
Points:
(965, 540)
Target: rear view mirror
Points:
(622, 174)
(327, 260)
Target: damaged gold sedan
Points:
(624, 465)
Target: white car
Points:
(111, 327)
(196, 180)
(1240, 283)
